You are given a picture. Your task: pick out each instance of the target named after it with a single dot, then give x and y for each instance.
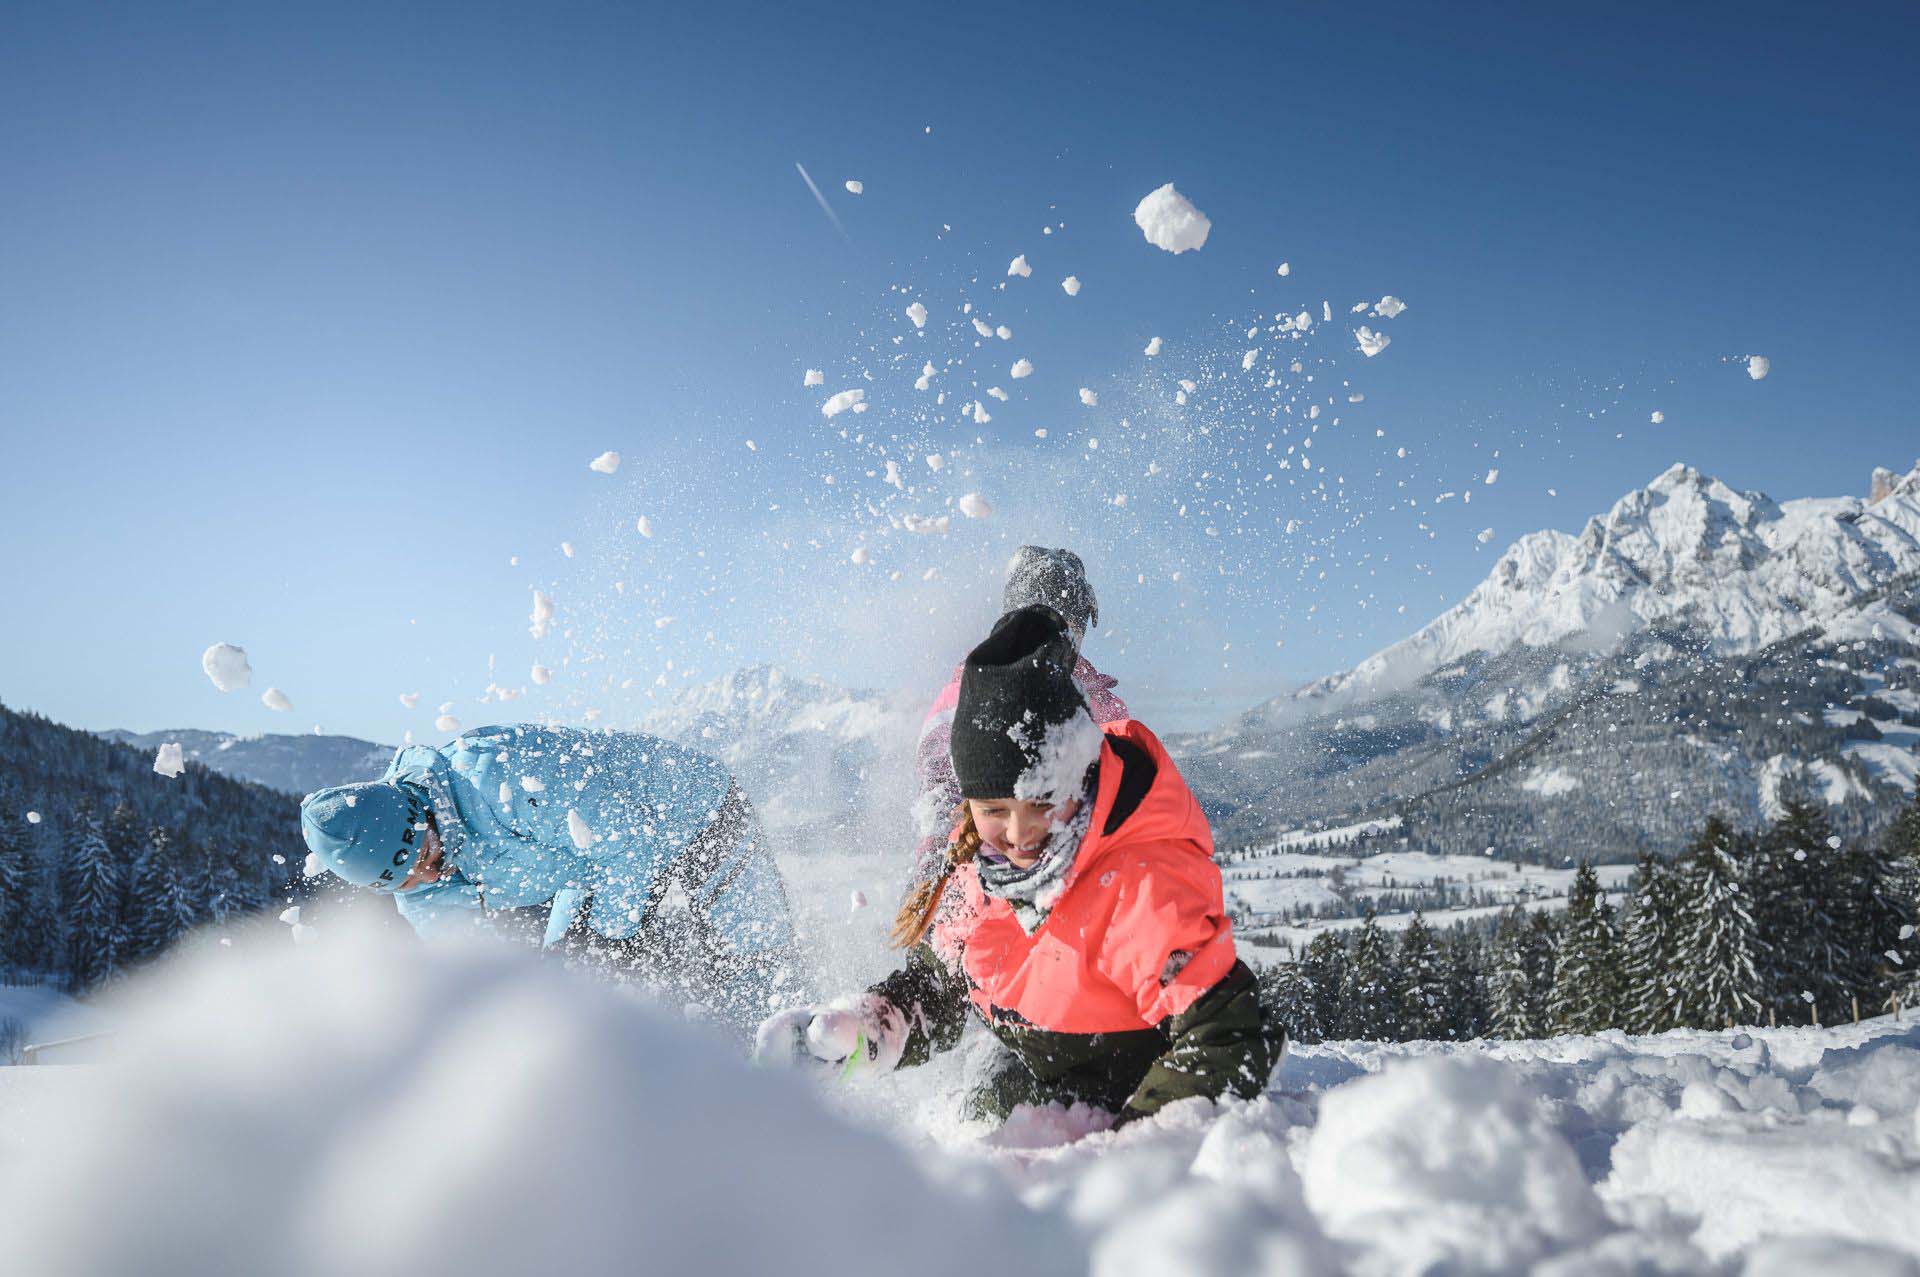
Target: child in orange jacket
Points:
(1080, 916)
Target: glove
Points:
(853, 1036)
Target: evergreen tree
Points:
(1372, 984)
(1521, 984)
(1325, 965)
(1422, 984)
(1798, 908)
(14, 880)
(1586, 965)
(1287, 998)
(90, 903)
(1466, 985)
(1902, 848)
(1873, 907)
(163, 910)
(1717, 967)
(1650, 981)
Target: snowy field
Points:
(474, 1111)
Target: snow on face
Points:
(275, 699)
(227, 666)
(837, 404)
(1170, 221)
(168, 762)
(1061, 756)
(1758, 366)
(605, 463)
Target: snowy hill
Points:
(292, 764)
(1693, 648)
(811, 755)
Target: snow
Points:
(1071, 285)
(1371, 342)
(168, 761)
(561, 1125)
(1285, 269)
(1089, 397)
(1249, 359)
(1550, 782)
(1022, 368)
(540, 674)
(839, 403)
(1061, 756)
(275, 699)
(856, 187)
(975, 506)
(814, 377)
(227, 666)
(578, 830)
(1153, 346)
(1170, 221)
(643, 525)
(1389, 306)
(917, 312)
(446, 723)
(1758, 366)
(1658, 417)
(1019, 267)
(541, 617)
(605, 463)
(409, 700)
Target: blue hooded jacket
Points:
(502, 799)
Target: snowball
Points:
(1003, 332)
(1249, 359)
(33, 818)
(541, 674)
(275, 699)
(578, 830)
(975, 506)
(168, 761)
(312, 867)
(1019, 267)
(862, 556)
(605, 463)
(1759, 366)
(1061, 757)
(1170, 221)
(1071, 285)
(227, 666)
(1389, 306)
(1658, 417)
(918, 314)
(1371, 343)
(1286, 269)
(839, 403)
(644, 526)
(446, 723)
(541, 616)
(814, 377)
(856, 187)
(1153, 346)
(935, 461)
(1486, 1184)
(409, 700)
(1022, 368)
(980, 414)
(982, 327)
(1088, 397)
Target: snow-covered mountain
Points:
(293, 764)
(811, 755)
(1695, 647)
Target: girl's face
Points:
(1018, 829)
(430, 866)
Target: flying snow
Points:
(975, 506)
(605, 463)
(1389, 306)
(1371, 342)
(1658, 417)
(643, 525)
(1153, 346)
(168, 761)
(1758, 366)
(1019, 267)
(1071, 285)
(274, 698)
(814, 377)
(541, 616)
(446, 723)
(579, 830)
(856, 187)
(1088, 397)
(917, 312)
(409, 700)
(839, 403)
(1170, 221)
(227, 666)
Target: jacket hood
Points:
(1122, 817)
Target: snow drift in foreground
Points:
(468, 1110)
(476, 1111)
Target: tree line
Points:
(1788, 924)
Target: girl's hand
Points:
(867, 1036)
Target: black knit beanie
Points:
(1014, 688)
(1054, 578)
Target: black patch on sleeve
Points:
(1137, 773)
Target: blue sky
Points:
(311, 318)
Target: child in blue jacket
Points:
(583, 834)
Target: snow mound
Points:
(1170, 221)
(227, 666)
(462, 1109)
(1444, 1165)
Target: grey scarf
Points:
(1032, 891)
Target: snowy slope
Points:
(621, 1140)
(292, 764)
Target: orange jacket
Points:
(1140, 894)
